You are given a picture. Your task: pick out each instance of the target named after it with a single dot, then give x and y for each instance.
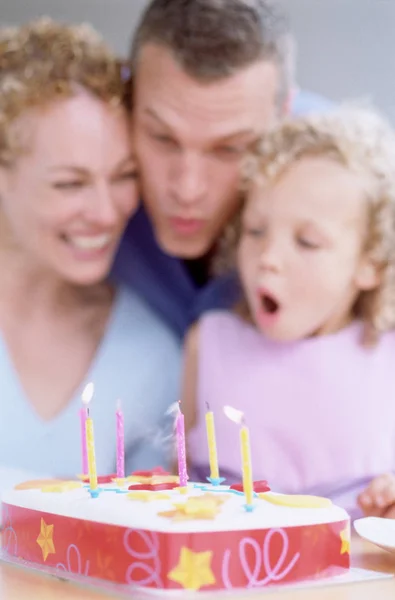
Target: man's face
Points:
(190, 138)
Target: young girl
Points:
(309, 355)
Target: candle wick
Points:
(87, 412)
(207, 407)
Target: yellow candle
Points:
(90, 442)
(248, 484)
(212, 445)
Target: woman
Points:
(67, 189)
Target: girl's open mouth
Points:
(269, 309)
(269, 304)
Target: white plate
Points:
(378, 531)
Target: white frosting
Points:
(117, 509)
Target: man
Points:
(210, 76)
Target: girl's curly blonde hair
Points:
(361, 140)
(45, 60)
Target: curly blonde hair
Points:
(361, 140)
(45, 60)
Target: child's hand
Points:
(378, 500)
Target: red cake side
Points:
(203, 561)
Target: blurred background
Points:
(346, 48)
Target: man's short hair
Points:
(212, 39)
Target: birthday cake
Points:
(144, 531)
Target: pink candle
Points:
(84, 449)
(120, 442)
(182, 457)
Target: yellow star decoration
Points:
(153, 479)
(120, 482)
(146, 496)
(45, 539)
(61, 487)
(205, 503)
(37, 484)
(345, 539)
(193, 570)
(198, 507)
(296, 500)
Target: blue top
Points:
(138, 361)
(164, 280)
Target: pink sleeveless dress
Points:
(321, 411)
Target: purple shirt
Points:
(321, 411)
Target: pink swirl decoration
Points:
(10, 540)
(73, 549)
(151, 554)
(262, 559)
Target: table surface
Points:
(17, 583)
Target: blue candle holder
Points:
(94, 493)
(215, 480)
